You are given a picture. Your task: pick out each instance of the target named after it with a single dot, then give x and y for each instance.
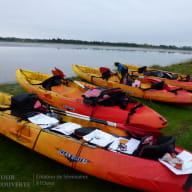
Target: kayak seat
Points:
(105, 72)
(154, 73)
(164, 144)
(154, 86)
(80, 132)
(170, 75)
(142, 69)
(158, 85)
(26, 105)
(174, 76)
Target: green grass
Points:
(25, 164)
(182, 68)
(179, 117)
(11, 88)
(180, 121)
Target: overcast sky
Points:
(134, 21)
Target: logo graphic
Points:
(72, 158)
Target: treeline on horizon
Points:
(81, 42)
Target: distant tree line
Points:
(80, 42)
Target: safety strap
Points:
(133, 110)
(4, 109)
(175, 90)
(188, 183)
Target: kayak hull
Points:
(59, 98)
(93, 75)
(130, 171)
(179, 81)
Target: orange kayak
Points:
(68, 96)
(150, 89)
(119, 165)
(175, 79)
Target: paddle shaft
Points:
(79, 84)
(84, 117)
(132, 129)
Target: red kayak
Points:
(73, 96)
(93, 149)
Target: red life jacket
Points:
(105, 72)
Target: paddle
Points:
(131, 129)
(77, 83)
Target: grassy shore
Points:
(179, 116)
(27, 165)
(182, 68)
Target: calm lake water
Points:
(43, 57)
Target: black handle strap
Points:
(188, 183)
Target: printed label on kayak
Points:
(72, 158)
(69, 108)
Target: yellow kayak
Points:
(176, 79)
(84, 147)
(140, 88)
